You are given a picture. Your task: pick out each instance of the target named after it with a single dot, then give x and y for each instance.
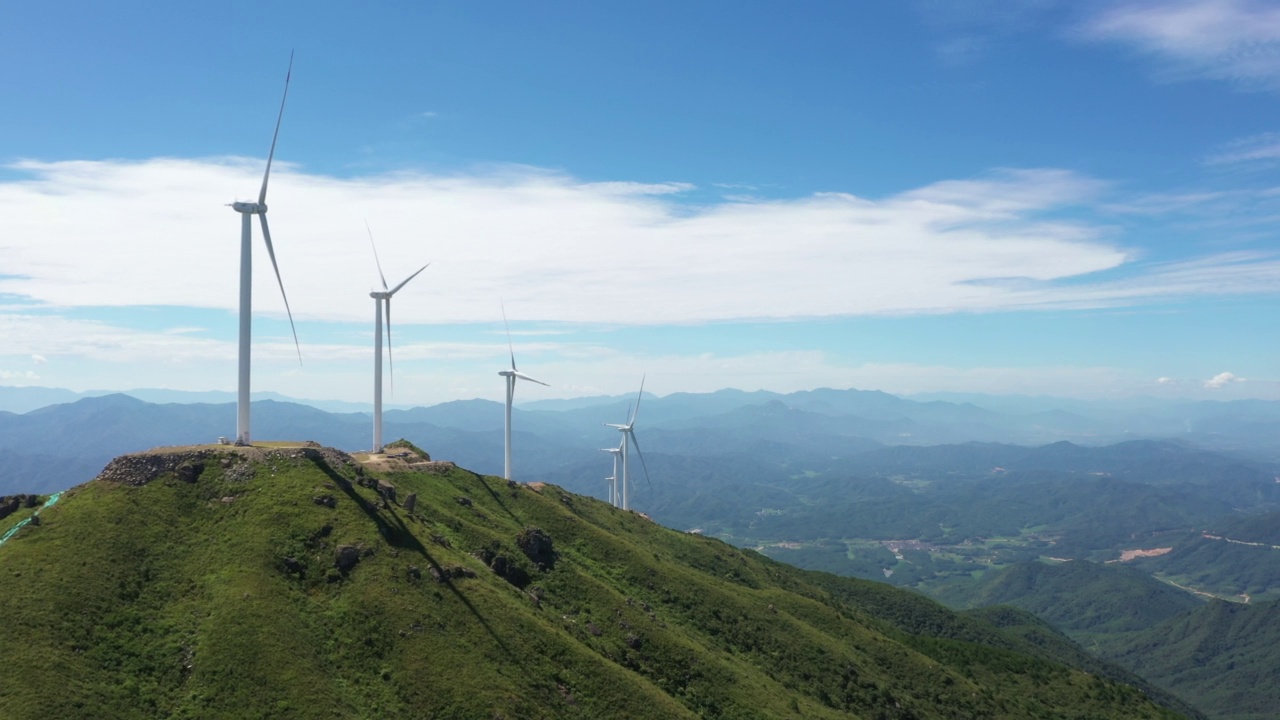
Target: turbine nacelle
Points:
(249, 208)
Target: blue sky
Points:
(1057, 198)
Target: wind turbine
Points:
(629, 438)
(613, 479)
(247, 210)
(511, 376)
(379, 298)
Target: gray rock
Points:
(537, 546)
(387, 491)
(346, 557)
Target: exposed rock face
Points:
(189, 471)
(11, 503)
(236, 463)
(502, 567)
(387, 491)
(443, 574)
(410, 502)
(138, 470)
(346, 558)
(439, 467)
(536, 545)
(326, 500)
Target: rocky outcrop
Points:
(11, 503)
(387, 491)
(138, 470)
(503, 567)
(346, 558)
(444, 574)
(237, 463)
(537, 546)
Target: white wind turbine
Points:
(511, 376)
(629, 438)
(247, 210)
(379, 298)
(613, 479)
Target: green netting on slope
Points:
(14, 530)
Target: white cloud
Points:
(121, 234)
(1221, 380)
(1166, 381)
(39, 359)
(1233, 40)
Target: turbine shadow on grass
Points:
(399, 535)
(496, 497)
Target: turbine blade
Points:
(508, 329)
(391, 364)
(396, 289)
(271, 252)
(262, 195)
(631, 434)
(522, 376)
(620, 427)
(375, 255)
(638, 399)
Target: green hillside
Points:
(1224, 657)
(1083, 597)
(1238, 556)
(296, 582)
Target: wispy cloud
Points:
(18, 377)
(567, 251)
(1233, 40)
(1264, 147)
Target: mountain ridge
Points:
(401, 587)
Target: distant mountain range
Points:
(806, 429)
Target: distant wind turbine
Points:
(511, 376)
(629, 439)
(613, 479)
(379, 298)
(247, 210)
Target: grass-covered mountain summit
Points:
(300, 582)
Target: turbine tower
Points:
(511, 376)
(247, 210)
(379, 298)
(629, 439)
(613, 479)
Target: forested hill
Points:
(300, 582)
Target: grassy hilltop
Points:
(303, 583)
